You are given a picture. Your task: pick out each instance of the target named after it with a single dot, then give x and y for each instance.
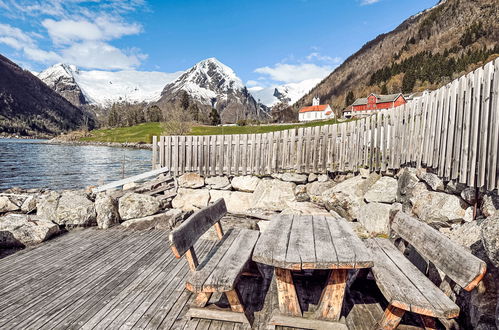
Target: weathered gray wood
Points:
(134, 178)
(305, 323)
(185, 235)
(225, 262)
(404, 286)
(460, 265)
(213, 313)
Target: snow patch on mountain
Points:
(104, 88)
(289, 93)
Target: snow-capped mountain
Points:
(103, 88)
(288, 93)
(212, 84)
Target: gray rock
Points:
(383, 191)
(273, 195)
(490, 205)
(304, 208)
(364, 172)
(301, 193)
(375, 217)
(490, 238)
(435, 183)
(312, 177)
(75, 209)
(316, 189)
(191, 199)
(190, 180)
(29, 204)
(218, 182)
(407, 180)
(107, 211)
(246, 183)
(236, 201)
(440, 209)
(465, 234)
(19, 230)
(294, 177)
(469, 195)
(6, 205)
(47, 205)
(163, 221)
(347, 197)
(133, 205)
(454, 187)
(323, 178)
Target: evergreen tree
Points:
(184, 100)
(194, 111)
(349, 99)
(408, 82)
(215, 117)
(384, 89)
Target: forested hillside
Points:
(426, 51)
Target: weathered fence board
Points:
(454, 130)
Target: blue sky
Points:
(263, 41)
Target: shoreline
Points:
(131, 145)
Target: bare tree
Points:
(177, 121)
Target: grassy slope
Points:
(145, 132)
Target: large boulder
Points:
(441, 209)
(236, 201)
(165, 220)
(375, 217)
(247, 183)
(469, 195)
(294, 177)
(347, 197)
(316, 189)
(307, 208)
(19, 230)
(134, 205)
(301, 193)
(490, 238)
(107, 211)
(190, 180)
(47, 205)
(6, 205)
(490, 205)
(273, 195)
(75, 209)
(407, 180)
(312, 177)
(191, 199)
(432, 180)
(29, 204)
(383, 191)
(218, 182)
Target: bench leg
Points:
(201, 299)
(331, 299)
(286, 292)
(428, 322)
(236, 304)
(391, 318)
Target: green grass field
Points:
(145, 132)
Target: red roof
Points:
(328, 113)
(314, 108)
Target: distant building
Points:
(373, 103)
(316, 111)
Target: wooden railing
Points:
(454, 130)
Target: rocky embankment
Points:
(366, 200)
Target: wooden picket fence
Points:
(454, 130)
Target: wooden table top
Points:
(311, 242)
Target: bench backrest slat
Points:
(460, 265)
(185, 236)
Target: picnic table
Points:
(306, 242)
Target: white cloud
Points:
(251, 83)
(368, 2)
(78, 34)
(289, 73)
(323, 58)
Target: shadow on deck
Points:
(120, 279)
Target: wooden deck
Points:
(121, 279)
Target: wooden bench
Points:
(221, 268)
(406, 288)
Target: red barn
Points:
(378, 102)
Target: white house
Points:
(316, 111)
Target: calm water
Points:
(33, 164)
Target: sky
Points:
(264, 41)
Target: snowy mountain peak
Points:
(207, 81)
(61, 78)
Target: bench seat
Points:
(222, 267)
(403, 284)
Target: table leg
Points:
(332, 296)
(286, 292)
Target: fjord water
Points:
(35, 164)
